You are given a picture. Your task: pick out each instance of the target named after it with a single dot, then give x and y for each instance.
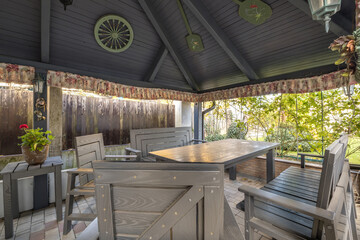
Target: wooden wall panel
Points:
(114, 118)
(16, 107)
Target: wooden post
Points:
(270, 165)
(198, 128)
(55, 120)
(41, 191)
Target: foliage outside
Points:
(306, 122)
(36, 139)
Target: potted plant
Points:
(35, 144)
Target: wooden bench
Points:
(143, 141)
(161, 201)
(305, 204)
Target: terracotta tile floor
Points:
(41, 224)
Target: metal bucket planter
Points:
(35, 157)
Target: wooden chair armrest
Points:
(121, 156)
(198, 140)
(128, 149)
(312, 211)
(91, 232)
(311, 155)
(80, 170)
(132, 150)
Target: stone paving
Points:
(42, 224)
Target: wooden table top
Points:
(223, 151)
(24, 166)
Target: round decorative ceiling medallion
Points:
(113, 33)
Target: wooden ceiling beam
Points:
(155, 67)
(45, 30)
(200, 11)
(165, 37)
(339, 25)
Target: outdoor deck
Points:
(41, 224)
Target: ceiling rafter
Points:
(165, 37)
(200, 11)
(45, 30)
(339, 25)
(155, 67)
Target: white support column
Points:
(183, 114)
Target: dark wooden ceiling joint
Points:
(339, 24)
(200, 11)
(155, 66)
(45, 30)
(165, 37)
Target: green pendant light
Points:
(193, 40)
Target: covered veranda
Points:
(184, 53)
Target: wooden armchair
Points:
(143, 141)
(88, 148)
(305, 204)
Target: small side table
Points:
(15, 170)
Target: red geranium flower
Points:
(23, 126)
(253, 6)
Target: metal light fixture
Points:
(324, 9)
(66, 3)
(39, 84)
(349, 90)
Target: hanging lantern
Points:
(39, 84)
(66, 3)
(324, 9)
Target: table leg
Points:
(15, 198)
(8, 214)
(58, 192)
(232, 173)
(270, 165)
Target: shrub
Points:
(237, 129)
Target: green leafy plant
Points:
(237, 129)
(35, 139)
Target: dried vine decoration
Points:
(345, 45)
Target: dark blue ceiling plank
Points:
(45, 30)
(165, 37)
(200, 11)
(155, 67)
(339, 24)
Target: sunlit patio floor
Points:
(42, 224)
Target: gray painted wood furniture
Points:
(143, 141)
(228, 152)
(15, 170)
(88, 148)
(300, 203)
(161, 201)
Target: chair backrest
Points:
(342, 205)
(153, 139)
(334, 158)
(151, 200)
(88, 148)
(332, 169)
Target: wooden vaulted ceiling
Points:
(288, 45)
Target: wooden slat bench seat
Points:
(301, 203)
